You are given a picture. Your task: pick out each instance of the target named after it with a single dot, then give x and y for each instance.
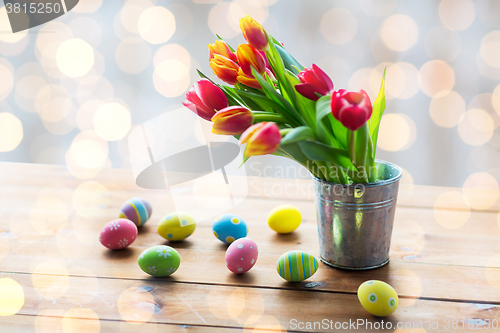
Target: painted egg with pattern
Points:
(378, 298)
(284, 219)
(176, 226)
(159, 260)
(137, 210)
(229, 227)
(296, 266)
(241, 255)
(118, 234)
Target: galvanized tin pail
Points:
(355, 221)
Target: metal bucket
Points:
(355, 221)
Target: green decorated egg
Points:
(176, 226)
(159, 260)
(295, 266)
(378, 298)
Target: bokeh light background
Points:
(72, 89)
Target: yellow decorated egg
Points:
(176, 226)
(284, 219)
(378, 298)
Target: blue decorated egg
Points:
(229, 227)
(296, 266)
(137, 210)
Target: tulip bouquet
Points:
(276, 106)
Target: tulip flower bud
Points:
(225, 69)
(254, 33)
(249, 57)
(205, 98)
(352, 109)
(314, 81)
(220, 48)
(232, 120)
(261, 139)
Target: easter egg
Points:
(229, 227)
(137, 210)
(295, 266)
(118, 234)
(241, 255)
(378, 298)
(284, 219)
(176, 226)
(159, 260)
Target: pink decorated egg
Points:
(118, 234)
(241, 255)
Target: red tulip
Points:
(261, 139)
(232, 120)
(205, 98)
(352, 109)
(254, 33)
(314, 80)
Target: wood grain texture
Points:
(445, 262)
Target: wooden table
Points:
(445, 263)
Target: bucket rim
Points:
(384, 182)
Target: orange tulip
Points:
(261, 139)
(221, 48)
(232, 120)
(249, 57)
(254, 33)
(225, 69)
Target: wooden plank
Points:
(67, 255)
(417, 236)
(160, 301)
(36, 175)
(56, 320)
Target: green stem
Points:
(351, 145)
(285, 131)
(259, 117)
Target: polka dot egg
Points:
(241, 255)
(229, 227)
(284, 219)
(296, 266)
(176, 226)
(159, 260)
(118, 234)
(137, 210)
(378, 298)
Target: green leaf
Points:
(203, 76)
(378, 111)
(277, 65)
(323, 107)
(290, 112)
(317, 151)
(298, 134)
(289, 61)
(264, 101)
(232, 97)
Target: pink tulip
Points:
(205, 99)
(314, 80)
(232, 120)
(352, 109)
(261, 139)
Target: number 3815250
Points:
(33, 8)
